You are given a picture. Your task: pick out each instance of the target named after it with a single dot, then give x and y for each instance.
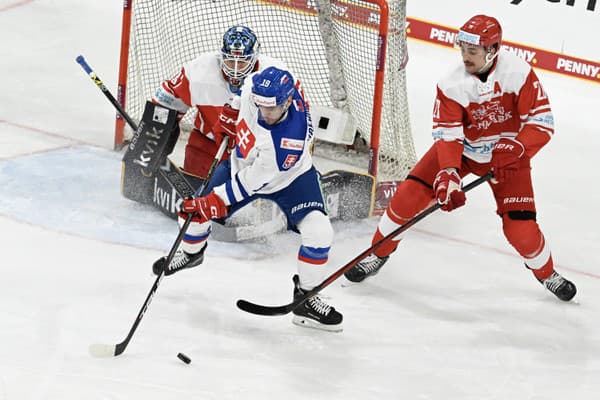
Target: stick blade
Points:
(264, 310)
(102, 350)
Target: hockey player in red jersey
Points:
(207, 83)
(490, 113)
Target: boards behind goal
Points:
(349, 56)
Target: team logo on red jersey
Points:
(489, 113)
(245, 138)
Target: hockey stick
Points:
(175, 178)
(285, 309)
(107, 350)
(81, 61)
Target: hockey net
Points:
(349, 55)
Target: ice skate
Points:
(561, 287)
(315, 313)
(370, 266)
(181, 260)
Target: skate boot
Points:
(562, 288)
(315, 313)
(368, 267)
(181, 260)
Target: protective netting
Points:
(335, 58)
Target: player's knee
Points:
(521, 215)
(410, 198)
(316, 230)
(522, 231)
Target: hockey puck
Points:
(184, 358)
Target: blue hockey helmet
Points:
(272, 87)
(239, 53)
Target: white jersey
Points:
(267, 158)
(201, 84)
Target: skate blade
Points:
(309, 323)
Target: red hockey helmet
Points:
(480, 30)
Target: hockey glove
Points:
(207, 208)
(448, 189)
(506, 158)
(226, 125)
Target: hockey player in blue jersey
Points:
(272, 160)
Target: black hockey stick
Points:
(175, 178)
(107, 350)
(285, 309)
(81, 61)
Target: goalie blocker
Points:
(146, 154)
(153, 140)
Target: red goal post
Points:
(349, 54)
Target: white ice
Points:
(454, 316)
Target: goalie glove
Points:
(448, 189)
(506, 157)
(207, 208)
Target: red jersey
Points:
(470, 115)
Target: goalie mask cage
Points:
(348, 55)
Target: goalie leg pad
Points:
(154, 139)
(348, 195)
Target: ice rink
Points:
(453, 316)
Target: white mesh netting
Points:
(335, 58)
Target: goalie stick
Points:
(285, 309)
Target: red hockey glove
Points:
(505, 158)
(227, 123)
(208, 207)
(448, 189)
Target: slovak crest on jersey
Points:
(290, 160)
(245, 139)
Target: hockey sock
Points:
(525, 236)
(195, 237)
(410, 198)
(317, 235)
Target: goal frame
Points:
(383, 28)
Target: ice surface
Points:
(454, 315)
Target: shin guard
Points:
(411, 198)
(525, 236)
